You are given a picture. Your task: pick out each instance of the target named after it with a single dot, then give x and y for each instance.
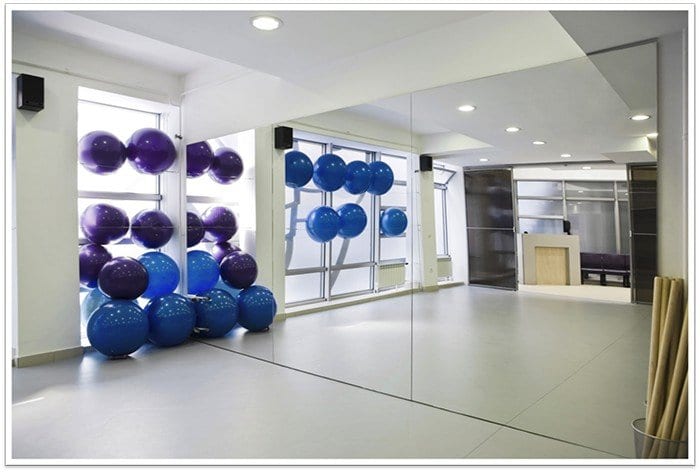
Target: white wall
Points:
(457, 224)
(47, 317)
(573, 173)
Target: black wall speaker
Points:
(283, 137)
(425, 163)
(30, 92)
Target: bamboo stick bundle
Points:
(655, 334)
(675, 336)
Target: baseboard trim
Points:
(47, 357)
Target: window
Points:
(316, 272)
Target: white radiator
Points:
(444, 268)
(392, 275)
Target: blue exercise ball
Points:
(117, 328)
(221, 285)
(202, 272)
(217, 315)
(393, 222)
(357, 177)
(298, 169)
(256, 308)
(163, 274)
(329, 172)
(170, 319)
(92, 302)
(382, 178)
(353, 220)
(322, 224)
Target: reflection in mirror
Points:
(553, 354)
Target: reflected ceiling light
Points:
(266, 22)
(639, 117)
(586, 167)
(538, 143)
(652, 135)
(466, 108)
(512, 129)
(566, 155)
(483, 159)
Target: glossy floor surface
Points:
(538, 376)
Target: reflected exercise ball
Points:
(221, 285)
(256, 308)
(123, 278)
(170, 320)
(329, 172)
(102, 223)
(150, 151)
(163, 274)
(195, 229)
(117, 328)
(92, 301)
(217, 315)
(353, 220)
(226, 166)
(219, 224)
(393, 222)
(298, 169)
(101, 152)
(322, 224)
(357, 177)
(151, 229)
(238, 269)
(202, 272)
(91, 258)
(382, 178)
(199, 158)
(223, 249)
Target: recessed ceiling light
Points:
(566, 155)
(466, 108)
(639, 117)
(483, 159)
(580, 191)
(652, 135)
(512, 129)
(538, 143)
(586, 167)
(266, 22)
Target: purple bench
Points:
(605, 264)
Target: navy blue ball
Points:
(117, 328)
(170, 319)
(256, 308)
(329, 172)
(322, 224)
(357, 177)
(353, 220)
(216, 316)
(382, 178)
(298, 169)
(393, 222)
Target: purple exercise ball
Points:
(102, 223)
(151, 229)
(123, 278)
(227, 166)
(150, 151)
(221, 250)
(195, 229)
(91, 258)
(219, 224)
(199, 158)
(101, 152)
(238, 270)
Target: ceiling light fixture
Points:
(483, 159)
(512, 129)
(265, 22)
(538, 143)
(586, 167)
(566, 155)
(466, 108)
(639, 117)
(652, 135)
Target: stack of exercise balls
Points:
(224, 165)
(331, 173)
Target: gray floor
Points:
(540, 366)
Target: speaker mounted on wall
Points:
(425, 163)
(283, 137)
(30, 92)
